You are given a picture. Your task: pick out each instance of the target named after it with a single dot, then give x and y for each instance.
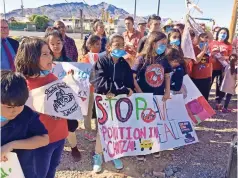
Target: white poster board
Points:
(11, 168)
(81, 75)
(142, 124)
(56, 99)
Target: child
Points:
(111, 76)
(202, 67)
(34, 61)
(174, 39)
(56, 43)
(93, 45)
(229, 83)
(175, 60)
(21, 129)
(152, 70)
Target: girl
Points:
(229, 83)
(56, 43)
(152, 70)
(221, 45)
(111, 76)
(98, 29)
(202, 67)
(93, 44)
(34, 61)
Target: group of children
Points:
(38, 139)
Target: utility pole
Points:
(4, 10)
(233, 21)
(158, 7)
(22, 8)
(135, 11)
(81, 22)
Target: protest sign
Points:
(81, 75)
(142, 124)
(197, 106)
(56, 99)
(11, 168)
(187, 45)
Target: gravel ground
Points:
(206, 159)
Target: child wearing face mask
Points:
(221, 45)
(91, 55)
(21, 128)
(152, 70)
(111, 76)
(229, 83)
(34, 61)
(202, 67)
(56, 43)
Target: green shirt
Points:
(63, 59)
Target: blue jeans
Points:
(48, 158)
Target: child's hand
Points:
(71, 72)
(6, 149)
(130, 92)
(110, 95)
(166, 97)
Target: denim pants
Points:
(48, 158)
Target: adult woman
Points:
(223, 47)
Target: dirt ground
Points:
(206, 159)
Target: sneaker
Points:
(140, 158)
(97, 163)
(75, 153)
(224, 110)
(90, 136)
(118, 164)
(156, 155)
(219, 107)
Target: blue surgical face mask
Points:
(161, 49)
(175, 42)
(168, 29)
(44, 72)
(222, 36)
(3, 119)
(117, 53)
(201, 44)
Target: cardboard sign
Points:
(187, 45)
(11, 168)
(56, 99)
(81, 75)
(197, 106)
(142, 124)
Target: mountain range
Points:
(57, 11)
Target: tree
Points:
(31, 18)
(41, 21)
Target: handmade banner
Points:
(11, 168)
(142, 124)
(56, 99)
(81, 75)
(197, 106)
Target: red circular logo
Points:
(154, 75)
(148, 115)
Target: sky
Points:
(220, 10)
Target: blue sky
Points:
(220, 10)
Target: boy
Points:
(21, 129)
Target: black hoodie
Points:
(106, 76)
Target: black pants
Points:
(218, 75)
(72, 125)
(228, 98)
(204, 86)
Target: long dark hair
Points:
(180, 38)
(227, 37)
(90, 42)
(233, 60)
(28, 56)
(52, 31)
(148, 51)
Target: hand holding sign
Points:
(5, 149)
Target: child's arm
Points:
(137, 87)
(201, 54)
(167, 87)
(177, 80)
